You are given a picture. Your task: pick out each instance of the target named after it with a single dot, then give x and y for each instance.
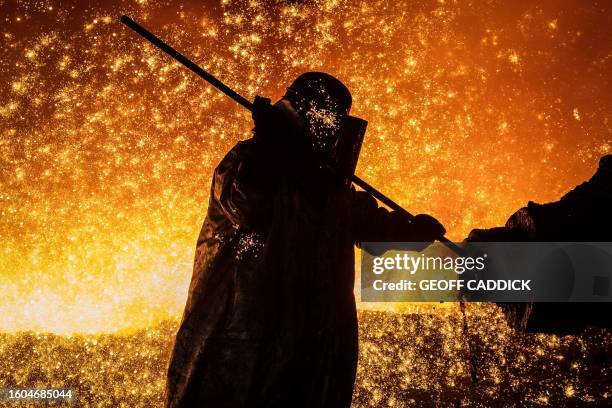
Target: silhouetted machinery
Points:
(582, 215)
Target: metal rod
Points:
(395, 206)
(186, 62)
(244, 102)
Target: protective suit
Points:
(270, 319)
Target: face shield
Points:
(323, 103)
(345, 152)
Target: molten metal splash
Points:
(107, 147)
(404, 361)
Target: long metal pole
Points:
(395, 206)
(152, 38)
(186, 62)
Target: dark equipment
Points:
(352, 127)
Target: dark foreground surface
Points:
(406, 360)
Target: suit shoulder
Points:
(236, 153)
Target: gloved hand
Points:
(276, 123)
(427, 228)
(263, 115)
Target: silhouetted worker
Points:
(270, 320)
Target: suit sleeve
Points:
(244, 185)
(372, 223)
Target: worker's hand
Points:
(276, 122)
(427, 228)
(263, 114)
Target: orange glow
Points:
(107, 147)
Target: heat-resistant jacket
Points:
(270, 319)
